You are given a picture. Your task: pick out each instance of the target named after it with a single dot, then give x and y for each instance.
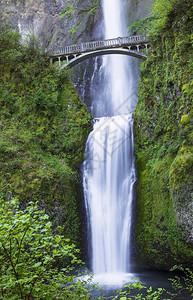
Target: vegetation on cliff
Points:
(44, 126)
(163, 139)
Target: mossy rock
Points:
(185, 119)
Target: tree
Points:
(30, 255)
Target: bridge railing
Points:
(104, 44)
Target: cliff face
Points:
(55, 22)
(163, 144)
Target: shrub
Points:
(29, 256)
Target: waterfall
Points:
(109, 169)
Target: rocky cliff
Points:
(55, 22)
(163, 143)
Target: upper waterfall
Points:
(114, 90)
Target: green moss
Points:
(68, 12)
(44, 127)
(185, 119)
(163, 143)
(181, 169)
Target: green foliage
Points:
(145, 292)
(163, 139)
(177, 11)
(142, 26)
(182, 283)
(163, 7)
(44, 126)
(29, 255)
(9, 39)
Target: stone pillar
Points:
(146, 47)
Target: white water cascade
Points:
(109, 168)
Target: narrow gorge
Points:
(121, 126)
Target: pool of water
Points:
(156, 279)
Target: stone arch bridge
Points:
(70, 56)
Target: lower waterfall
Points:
(109, 176)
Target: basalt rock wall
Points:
(55, 22)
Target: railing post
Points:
(119, 41)
(59, 61)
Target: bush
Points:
(29, 256)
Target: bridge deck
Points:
(119, 42)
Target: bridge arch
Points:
(80, 58)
